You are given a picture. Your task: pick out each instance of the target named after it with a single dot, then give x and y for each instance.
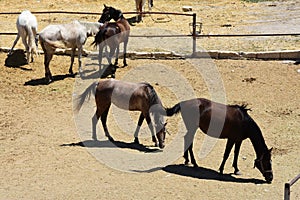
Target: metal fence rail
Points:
(194, 34)
(287, 187)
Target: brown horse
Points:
(128, 96)
(223, 121)
(112, 34)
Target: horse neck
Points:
(156, 107)
(257, 139)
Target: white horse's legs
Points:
(80, 49)
(72, 60)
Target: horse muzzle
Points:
(161, 145)
(268, 177)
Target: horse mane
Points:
(153, 97)
(242, 107)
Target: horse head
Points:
(109, 13)
(264, 165)
(161, 136)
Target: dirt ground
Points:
(41, 156)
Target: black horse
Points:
(223, 121)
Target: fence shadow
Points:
(113, 144)
(207, 174)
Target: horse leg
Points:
(14, 44)
(137, 5)
(80, 49)
(94, 125)
(229, 146)
(237, 147)
(103, 120)
(47, 58)
(100, 56)
(36, 38)
(111, 54)
(72, 60)
(188, 147)
(140, 122)
(193, 161)
(24, 36)
(117, 55)
(125, 50)
(148, 119)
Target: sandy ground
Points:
(41, 156)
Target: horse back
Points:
(124, 95)
(214, 119)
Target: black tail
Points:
(174, 110)
(99, 37)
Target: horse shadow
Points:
(16, 60)
(107, 71)
(43, 81)
(113, 144)
(134, 19)
(207, 174)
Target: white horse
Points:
(140, 6)
(27, 30)
(72, 35)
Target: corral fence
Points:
(287, 187)
(195, 29)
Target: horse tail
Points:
(174, 110)
(85, 95)
(150, 4)
(99, 37)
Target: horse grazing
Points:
(235, 124)
(128, 96)
(140, 7)
(72, 35)
(112, 34)
(27, 30)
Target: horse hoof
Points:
(238, 172)
(48, 81)
(136, 141)
(94, 138)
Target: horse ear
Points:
(270, 149)
(105, 6)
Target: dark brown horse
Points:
(128, 96)
(112, 34)
(223, 121)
